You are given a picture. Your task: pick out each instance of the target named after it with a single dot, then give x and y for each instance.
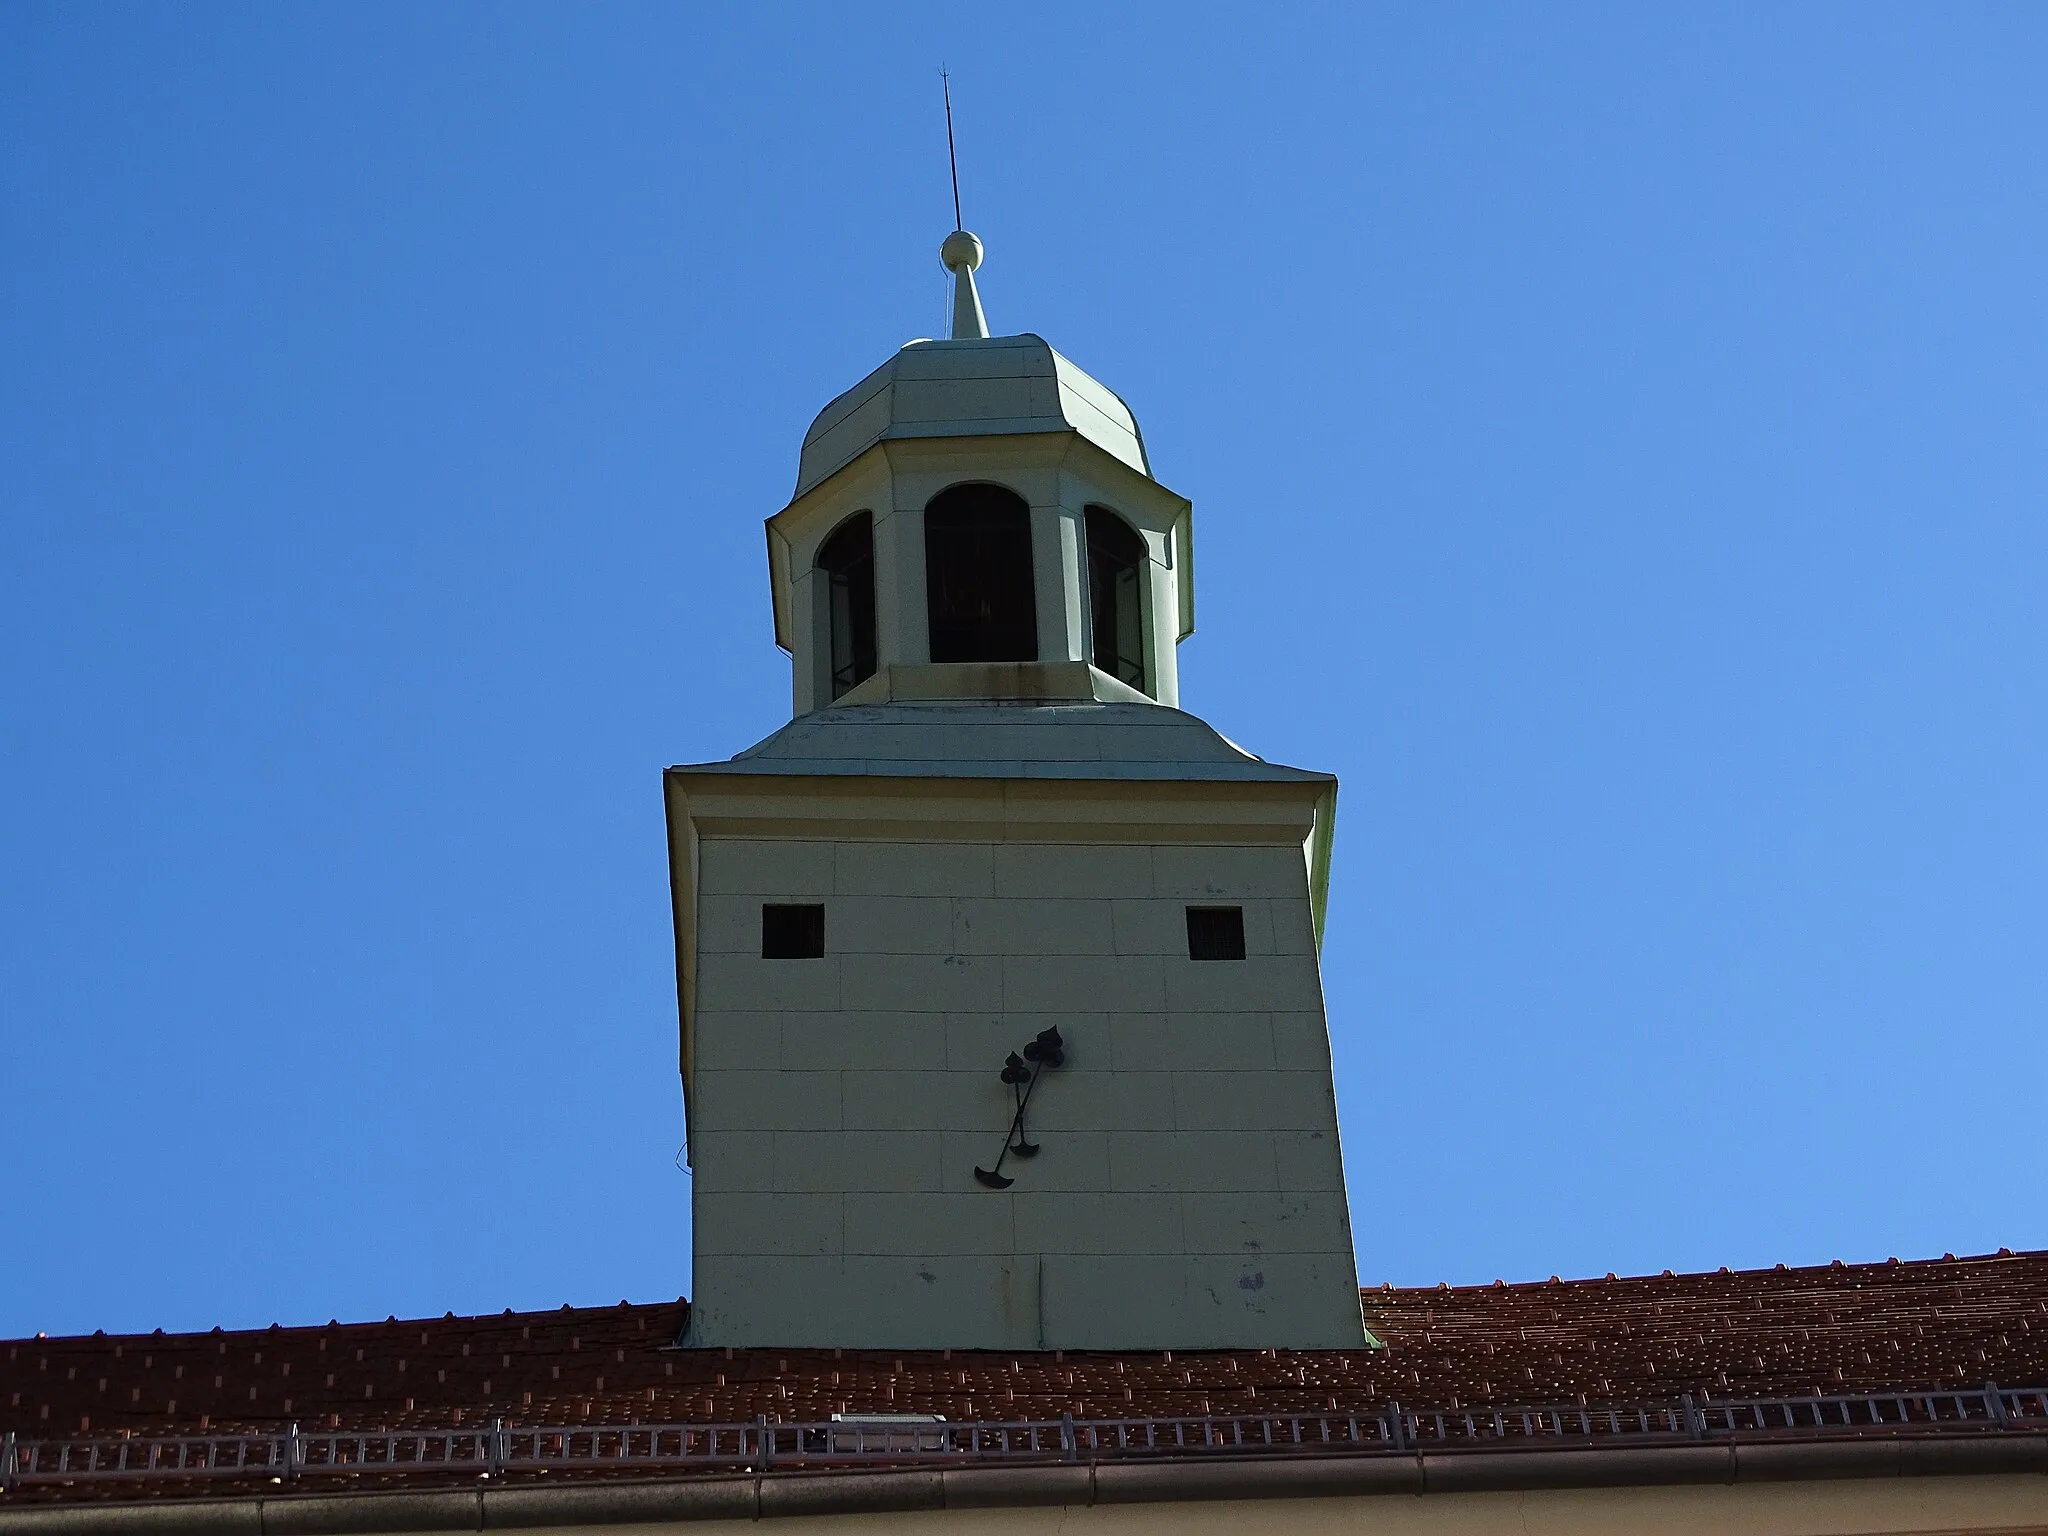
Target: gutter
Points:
(908, 1490)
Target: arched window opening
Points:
(977, 575)
(1116, 570)
(848, 561)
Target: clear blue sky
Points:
(1619, 444)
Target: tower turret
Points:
(1002, 1024)
(980, 503)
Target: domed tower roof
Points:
(990, 386)
(979, 502)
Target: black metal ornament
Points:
(1045, 1052)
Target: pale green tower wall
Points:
(1190, 1190)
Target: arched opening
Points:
(977, 575)
(848, 562)
(1116, 610)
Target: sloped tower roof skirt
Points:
(996, 386)
(987, 739)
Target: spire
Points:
(962, 254)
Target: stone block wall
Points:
(1189, 1192)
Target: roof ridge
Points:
(1832, 1267)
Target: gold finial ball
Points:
(960, 250)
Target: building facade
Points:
(1018, 1194)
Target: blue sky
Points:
(1619, 444)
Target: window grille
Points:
(792, 932)
(1215, 933)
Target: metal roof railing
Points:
(293, 1454)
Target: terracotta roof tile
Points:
(1946, 1322)
(1835, 1328)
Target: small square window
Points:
(1215, 933)
(792, 932)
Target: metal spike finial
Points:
(952, 159)
(961, 252)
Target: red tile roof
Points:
(1946, 1322)
(1836, 1328)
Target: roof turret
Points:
(1058, 567)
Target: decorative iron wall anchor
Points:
(1043, 1053)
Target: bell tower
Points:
(1002, 1023)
